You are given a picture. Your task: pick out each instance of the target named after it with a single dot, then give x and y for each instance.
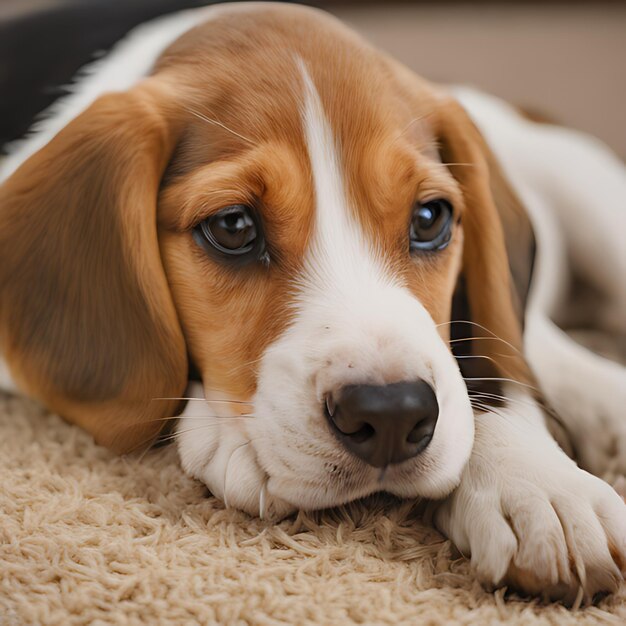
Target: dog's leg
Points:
(587, 192)
(529, 517)
(587, 390)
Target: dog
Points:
(364, 269)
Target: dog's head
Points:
(300, 218)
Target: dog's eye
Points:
(431, 225)
(232, 232)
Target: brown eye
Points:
(431, 225)
(232, 232)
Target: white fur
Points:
(218, 450)
(354, 322)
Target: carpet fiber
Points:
(90, 538)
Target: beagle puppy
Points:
(362, 267)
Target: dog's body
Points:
(358, 313)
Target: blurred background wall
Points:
(563, 59)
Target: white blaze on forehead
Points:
(339, 250)
(359, 311)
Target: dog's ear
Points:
(87, 322)
(498, 254)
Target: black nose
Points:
(385, 424)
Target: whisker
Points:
(178, 433)
(220, 124)
(149, 447)
(199, 417)
(462, 339)
(150, 441)
(487, 358)
(475, 356)
(222, 400)
(413, 121)
(483, 407)
(506, 380)
(499, 354)
(227, 418)
(496, 396)
(226, 401)
(449, 322)
(217, 421)
(483, 328)
(536, 402)
(497, 410)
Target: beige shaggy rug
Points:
(90, 538)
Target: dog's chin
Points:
(431, 476)
(398, 481)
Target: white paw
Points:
(532, 520)
(233, 474)
(245, 484)
(217, 450)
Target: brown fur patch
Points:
(498, 248)
(86, 320)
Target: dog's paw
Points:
(533, 521)
(245, 486)
(219, 451)
(230, 470)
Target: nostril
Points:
(358, 432)
(421, 432)
(363, 434)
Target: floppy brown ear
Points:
(87, 323)
(497, 258)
